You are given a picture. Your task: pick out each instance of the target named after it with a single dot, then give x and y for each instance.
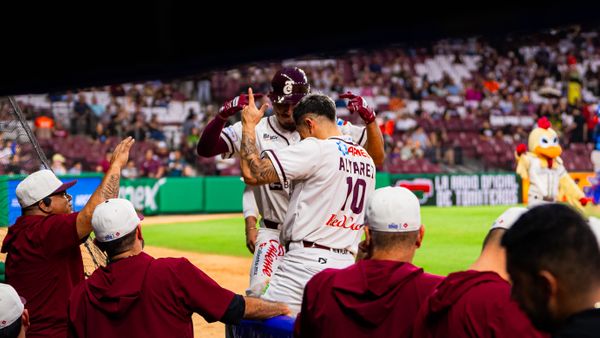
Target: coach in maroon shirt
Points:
(43, 261)
(476, 302)
(380, 295)
(136, 295)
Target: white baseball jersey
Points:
(272, 200)
(331, 181)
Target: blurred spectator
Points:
(60, 131)
(104, 163)
(177, 166)
(14, 167)
(44, 126)
(151, 166)
(155, 129)
(119, 123)
(138, 129)
(574, 85)
(100, 133)
(5, 152)
(420, 138)
(191, 121)
(82, 116)
(130, 171)
(486, 132)
(58, 164)
(193, 138)
(578, 128)
(473, 93)
(97, 108)
(76, 169)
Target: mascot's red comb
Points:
(544, 123)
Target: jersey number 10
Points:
(358, 191)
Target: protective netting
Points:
(22, 153)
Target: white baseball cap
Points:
(38, 185)
(508, 218)
(393, 209)
(11, 305)
(114, 218)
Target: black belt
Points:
(270, 224)
(308, 244)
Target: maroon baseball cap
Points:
(290, 85)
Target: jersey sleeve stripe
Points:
(360, 141)
(276, 165)
(276, 132)
(229, 143)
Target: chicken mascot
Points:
(549, 181)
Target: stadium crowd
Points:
(438, 106)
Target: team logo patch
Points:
(342, 147)
(287, 88)
(269, 137)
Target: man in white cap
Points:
(380, 295)
(43, 261)
(14, 318)
(477, 302)
(136, 295)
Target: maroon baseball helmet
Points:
(290, 85)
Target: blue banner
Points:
(81, 192)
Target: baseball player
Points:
(273, 133)
(329, 178)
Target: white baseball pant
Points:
(268, 253)
(299, 265)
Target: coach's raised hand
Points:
(120, 155)
(251, 115)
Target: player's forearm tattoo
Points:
(111, 188)
(261, 169)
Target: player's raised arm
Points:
(255, 170)
(374, 145)
(211, 143)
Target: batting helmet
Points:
(289, 86)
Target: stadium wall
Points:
(217, 194)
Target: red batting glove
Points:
(229, 108)
(358, 104)
(585, 200)
(521, 149)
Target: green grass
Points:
(223, 236)
(453, 236)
